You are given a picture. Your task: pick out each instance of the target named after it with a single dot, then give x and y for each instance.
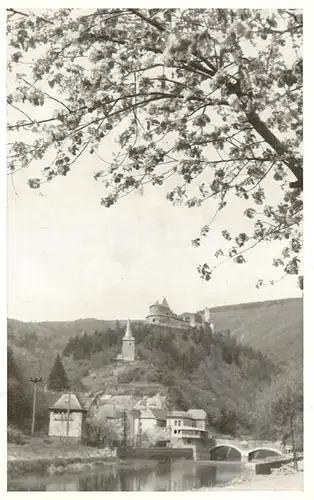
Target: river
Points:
(147, 476)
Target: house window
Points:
(179, 422)
(161, 423)
(179, 431)
(175, 422)
(175, 431)
(63, 416)
(130, 343)
(188, 441)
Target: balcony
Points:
(190, 432)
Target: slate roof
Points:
(63, 403)
(178, 414)
(86, 401)
(159, 414)
(197, 414)
(128, 332)
(165, 303)
(153, 413)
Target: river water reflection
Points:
(171, 476)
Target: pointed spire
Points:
(165, 303)
(128, 332)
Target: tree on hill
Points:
(58, 380)
(99, 434)
(209, 98)
(278, 410)
(19, 397)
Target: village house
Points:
(81, 406)
(178, 429)
(188, 430)
(178, 419)
(149, 425)
(110, 415)
(67, 418)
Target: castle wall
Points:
(159, 310)
(162, 315)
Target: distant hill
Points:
(61, 330)
(35, 344)
(275, 327)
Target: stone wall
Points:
(155, 453)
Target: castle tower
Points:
(165, 303)
(128, 344)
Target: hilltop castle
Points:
(162, 315)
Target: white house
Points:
(179, 429)
(67, 418)
(178, 419)
(149, 425)
(199, 417)
(188, 430)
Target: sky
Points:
(70, 258)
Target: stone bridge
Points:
(245, 450)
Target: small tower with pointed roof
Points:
(128, 344)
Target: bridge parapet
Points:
(247, 447)
(249, 444)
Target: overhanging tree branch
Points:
(273, 141)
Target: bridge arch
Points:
(263, 452)
(225, 452)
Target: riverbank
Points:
(44, 456)
(284, 478)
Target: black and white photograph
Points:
(155, 268)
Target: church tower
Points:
(128, 344)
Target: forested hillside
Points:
(275, 327)
(194, 368)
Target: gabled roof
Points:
(63, 403)
(197, 414)
(153, 413)
(87, 400)
(178, 414)
(159, 414)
